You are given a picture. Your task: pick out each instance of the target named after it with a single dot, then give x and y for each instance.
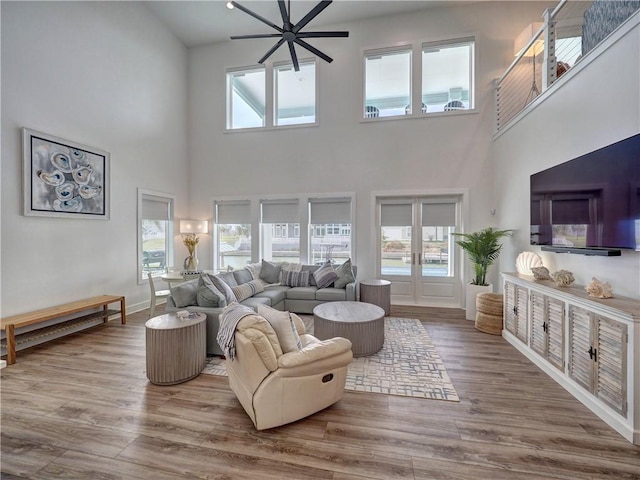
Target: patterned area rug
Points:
(407, 365)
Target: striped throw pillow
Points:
(295, 279)
(246, 290)
(325, 275)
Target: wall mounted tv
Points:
(590, 204)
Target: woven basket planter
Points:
(489, 313)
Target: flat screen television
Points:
(590, 202)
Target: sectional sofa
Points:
(294, 288)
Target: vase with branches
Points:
(190, 241)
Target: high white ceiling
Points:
(203, 22)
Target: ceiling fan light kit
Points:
(289, 32)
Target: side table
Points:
(377, 292)
(176, 348)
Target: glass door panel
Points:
(416, 250)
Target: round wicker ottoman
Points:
(489, 313)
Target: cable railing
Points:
(546, 50)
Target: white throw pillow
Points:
(284, 327)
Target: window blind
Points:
(233, 212)
(438, 214)
(396, 215)
(329, 210)
(156, 208)
(280, 211)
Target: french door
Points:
(417, 252)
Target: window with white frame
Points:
(444, 70)
(232, 234)
(292, 98)
(155, 233)
(295, 94)
(277, 219)
(447, 75)
(246, 98)
(387, 83)
(330, 227)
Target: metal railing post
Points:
(549, 65)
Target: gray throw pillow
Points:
(185, 294)
(325, 275)
(345, 275)
(270, 272)
(224, 288)
(228, 278)
(242, 276)
(208, 295)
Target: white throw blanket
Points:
(229, 320)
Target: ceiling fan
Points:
(291, 33)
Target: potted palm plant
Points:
(483, 249)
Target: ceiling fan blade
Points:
(294, 57)
(260, 35)
(311, 15)
(273, 49)
(313, 50)
(284, 13)
(256, 16)
(321, 34)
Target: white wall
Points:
(590, 107)
(105, 74)
(342, 153)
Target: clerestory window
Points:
(272, 96)
(444, 72)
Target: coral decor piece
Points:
(526, 261)
(599, 289)
(541, 273)
(563, 278)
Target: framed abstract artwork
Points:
(64, 178)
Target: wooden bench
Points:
(9, 324)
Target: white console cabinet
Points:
(590, 346)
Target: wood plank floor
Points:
(81, 408)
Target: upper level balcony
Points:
(564, 40)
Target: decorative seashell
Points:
(87, 191)
(78, 155)
(526, 261)
(82, 175)
(65, 191)
(599, 289)
(54, 178)
(72, 205)
(61, 161)
(563, 278)
(541, 273)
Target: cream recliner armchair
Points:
(276, 388)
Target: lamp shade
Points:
(523, 39)
(193, 226)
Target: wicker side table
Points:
(489, 312)
(377, 292)
(176, 348)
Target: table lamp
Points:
(189, 229)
